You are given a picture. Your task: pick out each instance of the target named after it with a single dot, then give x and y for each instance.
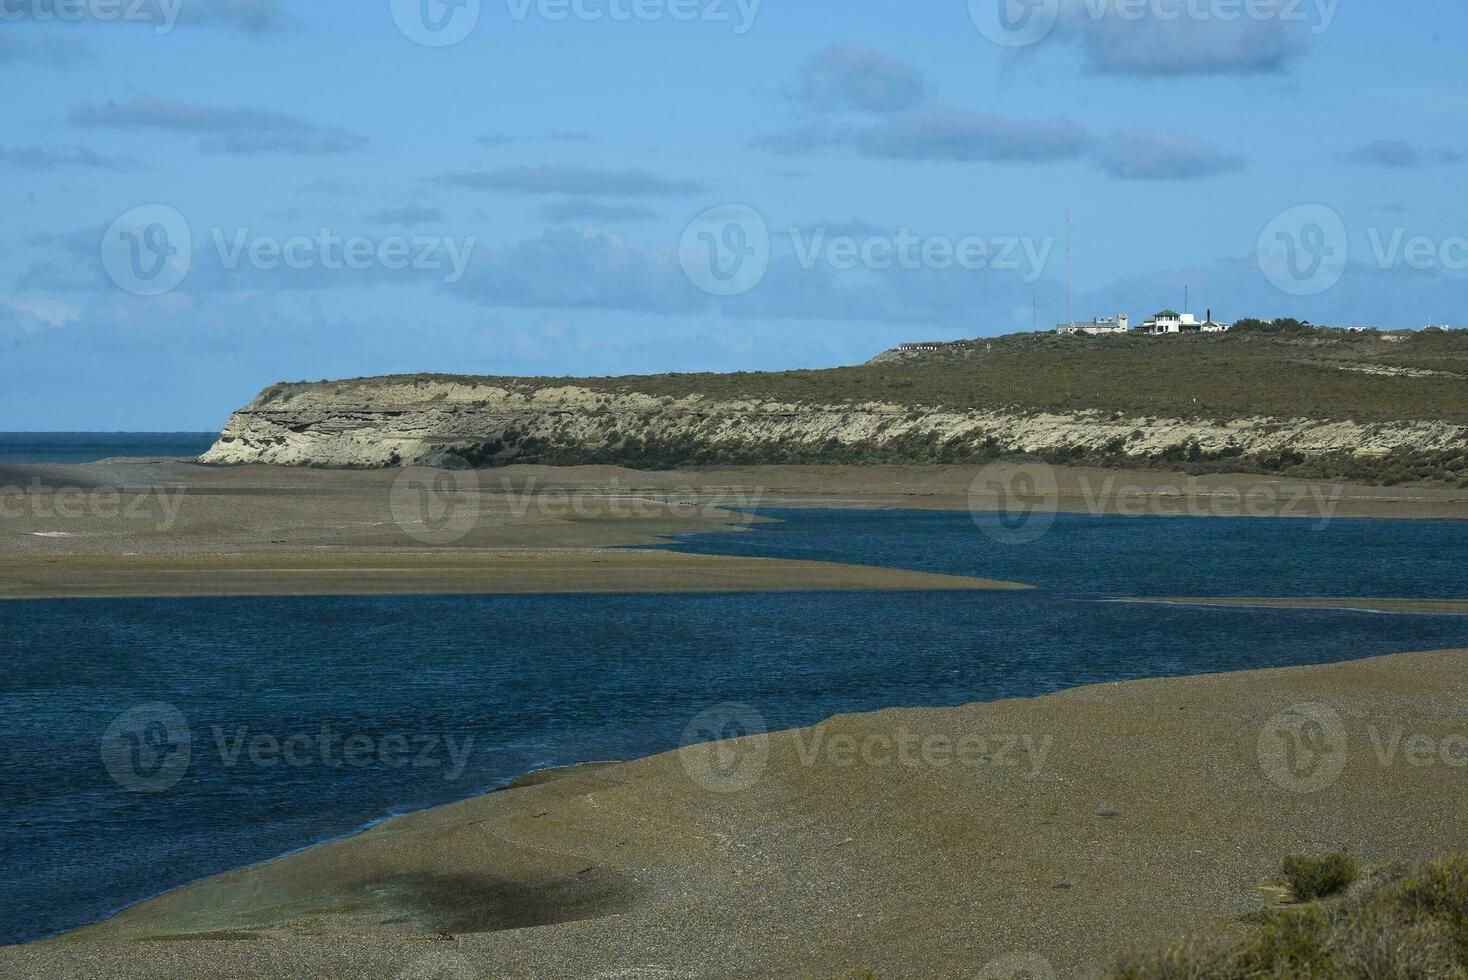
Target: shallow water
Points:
(531, 681)
(1107, 555)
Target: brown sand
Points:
(165, 527)
(1082, 823)
(447, 573)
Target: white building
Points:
(1098, 325)
(1170, 321)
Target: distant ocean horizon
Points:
(89, 447)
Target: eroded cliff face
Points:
(405, 421)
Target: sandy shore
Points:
(428, 573)
(1051, 831)
(167, 527)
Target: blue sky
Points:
(561, 153)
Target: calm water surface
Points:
(532, 681)
(88, 447)
(1084, 555)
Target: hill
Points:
(1388, 407)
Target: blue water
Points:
(88, 447)
(1085, 555)
(533, 681)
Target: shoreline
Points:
(550, 774)
(161, 527)
(563, 834)
(534, 777)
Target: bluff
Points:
(1369, 410)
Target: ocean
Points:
(88, 447)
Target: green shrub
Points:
(1311, 878)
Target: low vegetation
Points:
(1397, 924)
(1317, 373)
(1279, 369)
(1314, 878)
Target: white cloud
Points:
(35, 313)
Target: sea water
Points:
(88, 447)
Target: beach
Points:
(1048, 832)
(158, 527)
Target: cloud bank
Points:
(850, 77)
(1149, 154)
(233, 130)
(578, 181)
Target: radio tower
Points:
(1067, 268)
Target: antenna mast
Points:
(1067, 267)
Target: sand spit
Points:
(448, 573)
(1431, 607)
(166, 527)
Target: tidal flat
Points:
(913, 683)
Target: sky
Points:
(204, 197)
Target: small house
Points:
(1171, 321)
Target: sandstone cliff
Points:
(467, 422)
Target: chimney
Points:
(1210, 315)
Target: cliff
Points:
(467, 422)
